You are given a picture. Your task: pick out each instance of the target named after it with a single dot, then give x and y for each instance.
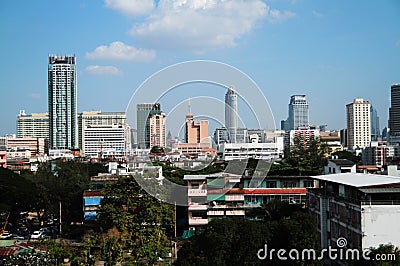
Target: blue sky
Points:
(332, 51)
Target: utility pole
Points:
(60, 218)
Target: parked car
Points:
(6, 236)
(36, 235)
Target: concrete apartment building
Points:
(222, 194)
(35, 125)
(157, 130)
(62, 100)
(3, 159)
(358, 124)
(100, 141)
(37, 146)
(99, 118)
(362, 208)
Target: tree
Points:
(139, 218)
(236, 241)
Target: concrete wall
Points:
(380, 224)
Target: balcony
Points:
(198, 207)
(235, 212)
(216, 213)
(198, 221)
(196, 192)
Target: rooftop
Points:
(342, 162)
(359, 180)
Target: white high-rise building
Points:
(35, 125)
(93, 118)
(62, 100)
(102, 140)
(358, 124)
(231, 114)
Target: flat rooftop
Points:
(359, 180)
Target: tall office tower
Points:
(196, 131)
(158, 130)
(88, 121)
(144, 111)
(394, 114)
(358, 124)
(62, 97)
(298, 112)
(231, 113)
(375, 128)
(35, 125)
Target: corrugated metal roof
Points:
(381, 190)
(359, 180)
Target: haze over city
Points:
(332, 52)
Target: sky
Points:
(331, 51)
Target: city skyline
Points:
(331, 52)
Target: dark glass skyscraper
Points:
(375, 128)
(144, 111)
(62, 101)
(394, 113)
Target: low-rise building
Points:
(223, 194)
(337, 166)
(3, 159)
(37, 146)
(362, 208)
(255, 150)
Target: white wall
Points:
(380, 225)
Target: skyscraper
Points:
(298, 112)
(144, 111)
(394, 114)
(62, 100)
(358, 124)
(231, 113)
(196, 131)
(375, 128)
(158, 130)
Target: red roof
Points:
(92, 194)
(262, 191)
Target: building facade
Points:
(300, 136)
(101, 141)
(231, 113)
(62, 100)
(223, 195)
(158, 130)
(37, 146)
(394, 114)
(35, 125)
(375, 127)
(143, 113)
(196, 131)
(358, 124)
(99, 118)
(362, 208)
(298, 112)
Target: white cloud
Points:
(317, 14)
(34, 96)
(203, 24)
(275, 15)
(131, 7)
(102, 70)
(122, 52)
(398, 43)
